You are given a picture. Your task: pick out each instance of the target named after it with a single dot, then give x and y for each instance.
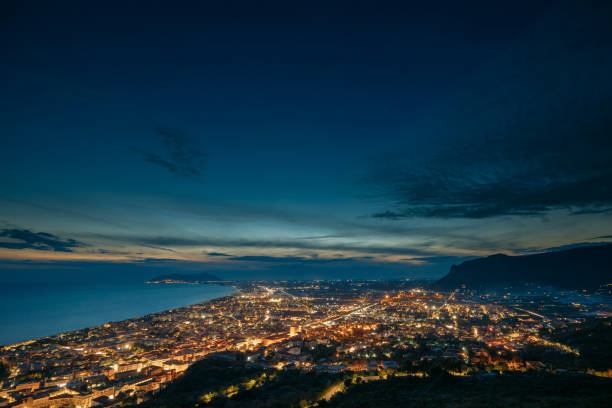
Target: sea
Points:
(33, 310)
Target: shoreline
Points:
(188, 282)
(63, 331)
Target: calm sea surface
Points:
(29, 311)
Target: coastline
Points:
(306, 329)
(189, 282)
(115, 303)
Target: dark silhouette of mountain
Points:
(184, 277)
(578, 268)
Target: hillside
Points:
(228, 381)
(521, 390)
(578, 268)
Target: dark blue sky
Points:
(258, 141)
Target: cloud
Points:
(572, 246)
(105, 271)
(216, 254)
(389, 215)
(104, 251)
(529, 134)
(307, 244)
(182, 156)
(26, 239)
(300, 260)
(526, 174)
(443, 259)
(312, 259)
(157, 260)
(597, 210)
(261, 258)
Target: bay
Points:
(33, 310)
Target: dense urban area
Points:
(334, 334)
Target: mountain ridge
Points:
(586, 267)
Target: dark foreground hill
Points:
(517, 391)
(578, 268)
(216, 383)
(228, 381)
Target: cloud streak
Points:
(269, 244)
(26, 239)
(391, 215)
(217, 254)
(530, 134)
(182, 157)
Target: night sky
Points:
(359, 141)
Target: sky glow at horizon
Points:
(389, 144)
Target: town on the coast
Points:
(371, 328)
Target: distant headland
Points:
(199, 278)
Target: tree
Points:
(5, 371)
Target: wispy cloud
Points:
(157, 260)
(26, 239)
(263, 258)
(312, 260)
(181, 157)
(391, 215)
(307, 244)
(216, 254)
(530, 134)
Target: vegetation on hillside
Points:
(228, 381)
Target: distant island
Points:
(188, 278)
(579, 268)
